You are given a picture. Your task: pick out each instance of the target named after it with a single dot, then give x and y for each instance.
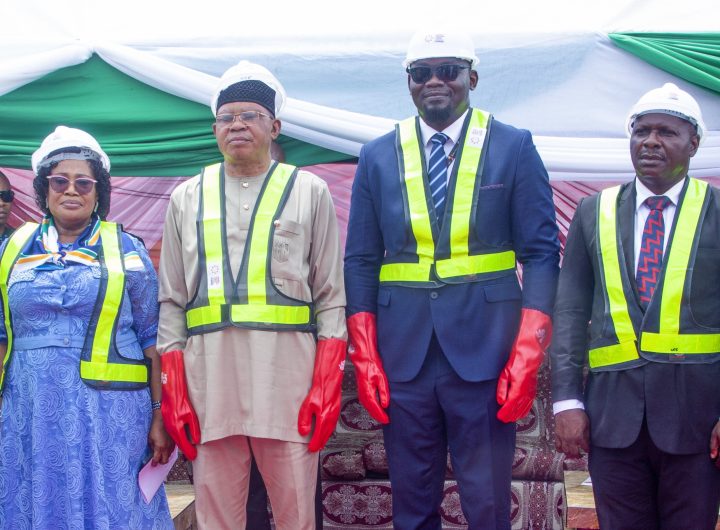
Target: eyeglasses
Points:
(444, 72)
(60, 184)
(7, 195)
(247, 117)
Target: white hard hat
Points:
(63, 137)
(247, 71)
(432, 44)
(669, 99)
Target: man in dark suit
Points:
(437, 223)
(642, 266)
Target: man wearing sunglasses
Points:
(445, 343)
(252, 329)
(6, 198)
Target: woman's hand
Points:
(159, 440)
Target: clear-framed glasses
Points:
(248, 117)
(60, 184)
(7, 195)
(444, 72)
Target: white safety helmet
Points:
(63, 137)
(669, 99)
(247, 71)
(432, 44)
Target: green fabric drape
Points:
(145, 131)
(694, 57)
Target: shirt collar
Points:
(453, 130)
(642, 192)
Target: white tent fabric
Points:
(569, 84)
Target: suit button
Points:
(433, 295)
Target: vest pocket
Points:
(285, 242)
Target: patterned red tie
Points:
(651, 248)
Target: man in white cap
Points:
(642, 266)
(441, 333)
(252, 315)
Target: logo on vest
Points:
(476, 136)
(214, 276)
(281, 249)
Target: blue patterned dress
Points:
(70, 454)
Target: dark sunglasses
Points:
(444, 72)
(60, 184)
(7, 195)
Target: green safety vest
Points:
(660, 330)
(423, 265)
(252, 300)
(101, 365)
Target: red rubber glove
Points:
(323, 400)
(517, 384)
(371, 380)
(177, 411)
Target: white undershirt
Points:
(452, 131)
(641, 213)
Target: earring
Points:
(96, 206)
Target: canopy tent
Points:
(555, 70)
(145, 130)
(139, 76)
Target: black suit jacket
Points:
(681, 402)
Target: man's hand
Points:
(517, 384)
(373, 388)
(715, 444)
(572, 432)
(181, 421)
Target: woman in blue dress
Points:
(81, 378)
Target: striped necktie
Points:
(437, 172)
(651, 248)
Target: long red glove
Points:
(177, 411)
(323, 400)
(371, 380)
(517, 384)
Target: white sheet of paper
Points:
(150, 478)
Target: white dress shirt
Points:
(452, 131)
(642, 211)
(641, 214)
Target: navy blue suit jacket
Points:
(475, 322)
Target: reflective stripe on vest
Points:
(101, 369)
(414, 178)
(10, 255)
(98, 371)
(258, 311)
(669, 340)
(626, 348)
